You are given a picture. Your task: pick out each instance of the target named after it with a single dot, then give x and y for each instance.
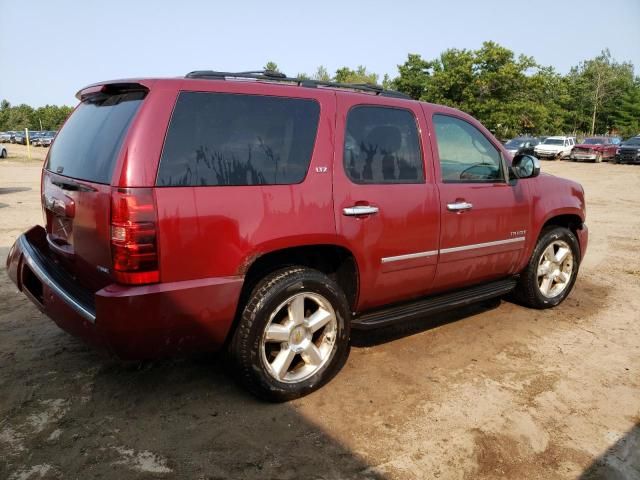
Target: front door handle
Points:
(358, 210)
(459, 206)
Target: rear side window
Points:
(232, 139)
(87, 146)
(382, 146)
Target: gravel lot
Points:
(496, 391)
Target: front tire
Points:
(293, 334)
(552, 270)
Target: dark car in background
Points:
(21, 137)
(628, 151)
(521, 145)
(595, 149)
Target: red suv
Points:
(269, 216)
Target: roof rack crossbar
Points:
(273, 76)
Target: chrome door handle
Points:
(459, 206)
(359, 210)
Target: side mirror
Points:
(524, 166)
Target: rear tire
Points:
(552, 270)
(3, 153)
(293, 335)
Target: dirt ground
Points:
(495, 391)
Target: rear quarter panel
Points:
(218, 231)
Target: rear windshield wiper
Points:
(73, 186)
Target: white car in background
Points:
(555, 147)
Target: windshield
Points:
(87, 146)
(633, 141)
(593, 141)
(553, 141)
(514, 144)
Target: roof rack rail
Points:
(273, 76)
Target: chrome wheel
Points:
(555, 268)
(299, 337)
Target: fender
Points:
(553, 197)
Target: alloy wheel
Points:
(299, 337)
(555, 268)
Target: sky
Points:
(51, 49)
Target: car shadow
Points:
(621, 461)
(69, 411)
(7, 190)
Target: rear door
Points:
(484, 218)
(385, 199)
(76, 191)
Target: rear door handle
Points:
(459, 206)
(357, 210)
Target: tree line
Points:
(513, 95)
(509, 94)
(19, 117)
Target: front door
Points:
(484, 217)
(385, 200)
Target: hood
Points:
(592, 146)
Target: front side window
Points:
(466, 155)
(382, 146)
(231, 139)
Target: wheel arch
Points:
(569, 220)
(335, 261)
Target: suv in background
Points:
(596, 149)
(554, 148)
(628, 151)
(269, 216)
(521, 146)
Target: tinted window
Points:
(87, 146)
(466, 155)
(228, 139)
(382, 146)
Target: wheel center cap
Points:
(298, 337)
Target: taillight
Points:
(134, 241)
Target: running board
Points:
(430, 305)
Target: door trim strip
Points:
(408, 256)
(482, 245)
(462, 248)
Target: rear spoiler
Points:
(109, 89)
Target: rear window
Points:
(87, 146)
(233, 139)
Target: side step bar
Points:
(430, 305)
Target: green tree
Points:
(271, 66)
(414, 76)
(359, 75)
(627, 117)
(597, 87)
(489, 83)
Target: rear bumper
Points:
(133, 322)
